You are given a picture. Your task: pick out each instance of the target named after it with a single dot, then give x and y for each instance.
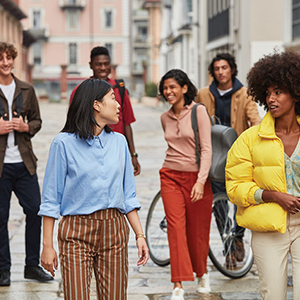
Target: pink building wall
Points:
(54, 18)
(89, 33)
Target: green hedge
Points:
(151, 89)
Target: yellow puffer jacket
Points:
(256, 161)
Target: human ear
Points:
(97, 106)
(185, 88)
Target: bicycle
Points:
(221, 244)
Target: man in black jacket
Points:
(19, 121)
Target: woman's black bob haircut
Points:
(278, 70)
(182, 79)
(80, 117)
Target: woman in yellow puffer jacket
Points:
(263, 173)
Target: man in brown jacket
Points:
(19, 121)
(227, 99)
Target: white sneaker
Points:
(177, 294)
(203, 284)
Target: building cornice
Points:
(148, 4)
(13, 9)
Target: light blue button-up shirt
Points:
(83, 176)
(292, 171)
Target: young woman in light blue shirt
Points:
(89, 181)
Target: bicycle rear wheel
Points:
(156, 232)
(224, 240)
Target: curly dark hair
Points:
(182, 79)
(231, 61)
(280, 70)
(9, 49)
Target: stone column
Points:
(64, 83)
(113, 72)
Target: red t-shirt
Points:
(126, 112)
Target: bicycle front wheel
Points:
(156, 232)
(226, 240)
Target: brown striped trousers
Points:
(95, 242)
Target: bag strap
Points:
(2, 110)
(121, 87)
(19, 104)
(196, 130)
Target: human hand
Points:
(143, 251)
(5, 126)
(19, 124)
(136, 166)
(49, 260)
(288, 202)
(197, 192)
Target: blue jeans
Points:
(16, 178)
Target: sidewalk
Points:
(145, 283)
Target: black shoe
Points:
(4, 277)
(37, 273)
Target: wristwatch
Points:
(140, 235)
(134, 154)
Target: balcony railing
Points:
(40, 33)
(218, 26)
(140, 38)
(76, 4)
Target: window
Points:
(296, 19)
(36, 19)
(140, 3)
(142, 34)
(72, 19)
(214, 7)
(218, 19)
(37, 54)
(209, 9)
(72, 53)
(108, 18)
(110, 49)
(189, 4)
(138, 62)
(225, 4)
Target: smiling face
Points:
(280, 103)
(101, 66)
(173, 92)
(6, 65)
(223, 74)
(108, 110)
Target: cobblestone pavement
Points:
(145, 283)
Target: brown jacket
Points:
(31, 114)
(244, 112)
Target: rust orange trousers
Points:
(188, 223)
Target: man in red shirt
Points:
(101, 65)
